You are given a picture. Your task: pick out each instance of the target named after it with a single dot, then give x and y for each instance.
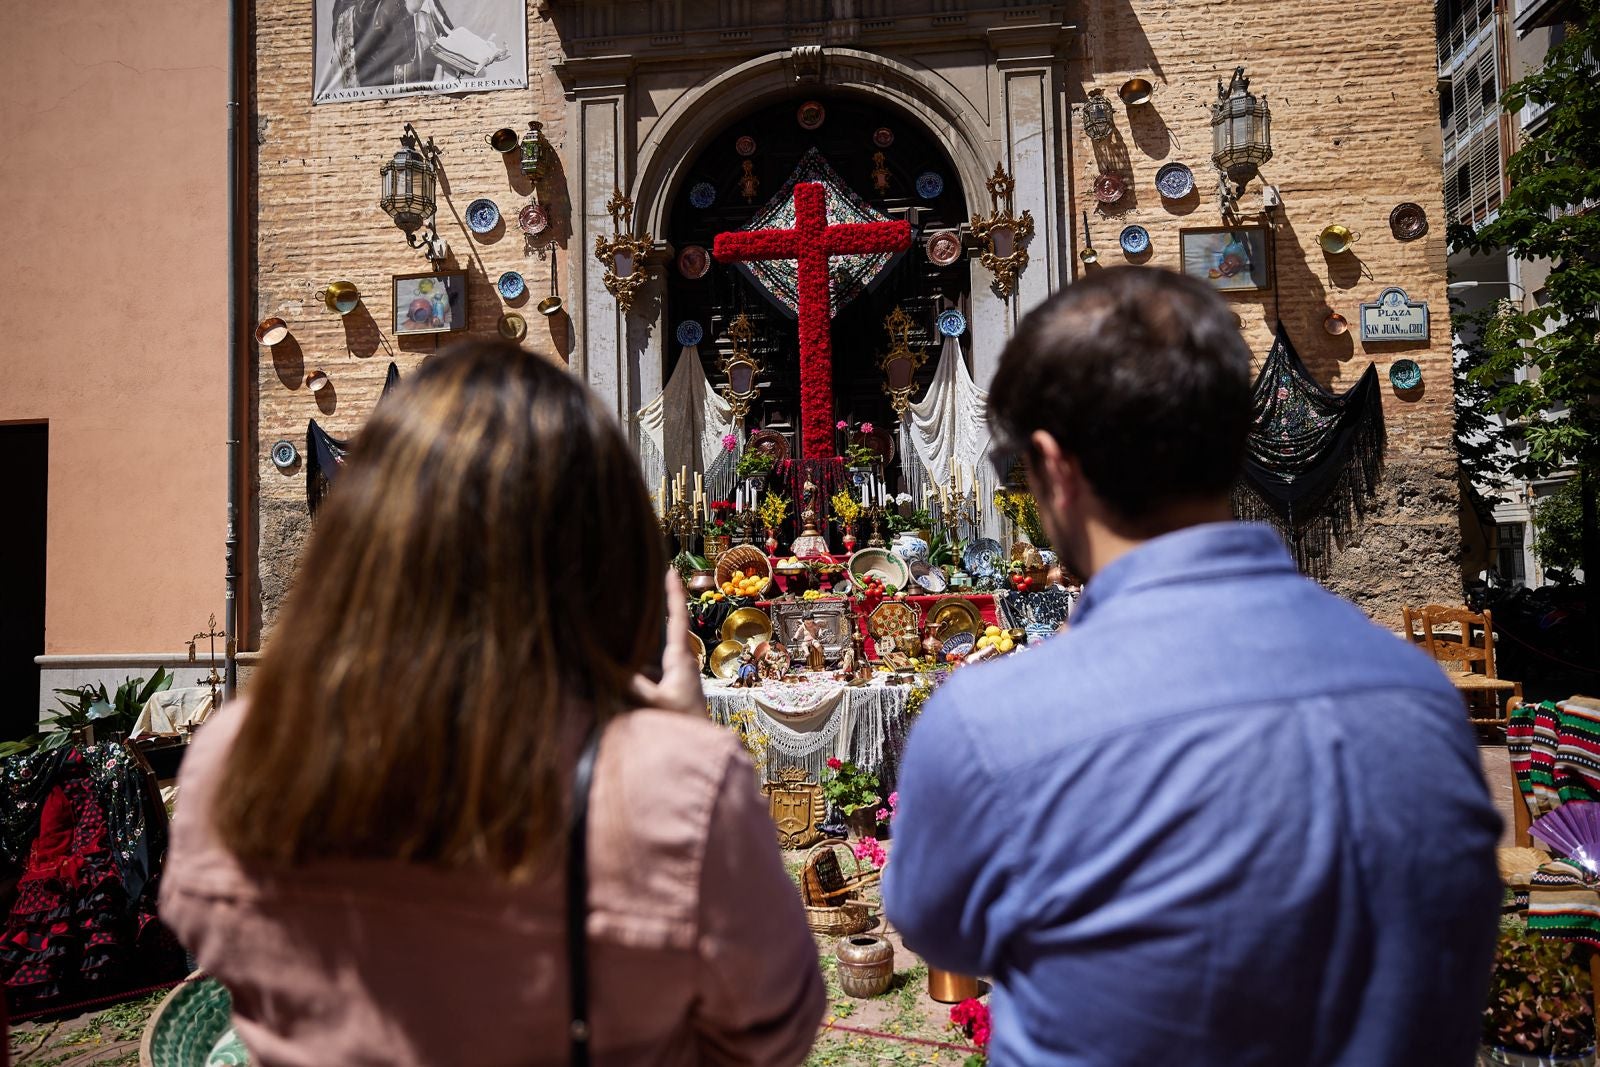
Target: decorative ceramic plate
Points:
(703, 195)
(811, 115)
(952, 323)
(958, 644)
(954, 615)
(512, 327)
(1108, 188)
(944, 248)
(1134, 240)
(511, 285)
(693, 262)
(690, 333)
(984, 558)
(284, 454)
(725, 659)
(1038, 631)
(930, 578)
(1408, 222)
(190, 1025)
(483, 215)
(532, 219)
(771, 442)
(1405, 374)
(883, 137)
(747, 623)
(1174, 181)
(929, 185)
(878, 563)
(892, 617)
(745, 146)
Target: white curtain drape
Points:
(683, 427)
(948, 431)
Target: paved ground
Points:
(1497, 772)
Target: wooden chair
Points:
(1412, 621)
(1459, 655)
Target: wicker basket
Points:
(851, 917)
(831, 892)
(747, 558)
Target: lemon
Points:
(1007, 645)
(991, 631)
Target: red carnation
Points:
(834, 763)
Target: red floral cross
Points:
(811, 241)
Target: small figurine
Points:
(880, 174)
(749, 674)
(863, 666)
(775, 663)
(811, 645)
(748, 182)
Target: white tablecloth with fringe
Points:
(805, 723)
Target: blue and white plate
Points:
(1134, 240)
(983, 557)
(703, 195)
(511, 285)
(690, 333)
(960, 644)
(483, 215)
(929, 577)
(1174, 181)
(929, 185)
(952, 323)
(1405, 374)
(284, 455)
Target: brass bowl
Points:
(550, 305)
(725, 659)
(747, 624)
(1136, 91)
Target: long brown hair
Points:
(484, 582)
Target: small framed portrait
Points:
(1227, 258)
(429, 303)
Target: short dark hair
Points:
(1140, 373)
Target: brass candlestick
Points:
(212, 679)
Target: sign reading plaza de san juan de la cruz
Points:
(1394, 316)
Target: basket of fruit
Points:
(744, 570)
(996, 638)
(879, 570)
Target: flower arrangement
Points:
(848, 787)
(754, 464)
(721, 512)
(1539, 998)
(1020, 507)
(730, 441)
(846, 508)
(754, 739)
(774, 509)
(971, 1017)
(868, 850)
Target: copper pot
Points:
(866, 965)
(947, 987)
(702, 582)
(932, 647)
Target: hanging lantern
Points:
(1097, 116)
(1241, 130)
(408, 194)
(534, 150)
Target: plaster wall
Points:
(114, 319)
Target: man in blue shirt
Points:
(1224, 819)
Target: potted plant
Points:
(847, 509)
(774, 509)
(1539, 1010)
(755, 465)
(853, 792)
(89, 710)
(719, 528)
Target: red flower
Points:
(971, 1017)
(834, 763)
(722, 505)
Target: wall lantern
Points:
(1241, 136)
(1003, 233)
(535, 152)
(408, 193)
(1097, 116)
(741, 369)
(622, 253)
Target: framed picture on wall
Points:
(1227, 258)
(429, 303)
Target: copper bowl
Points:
(271, 331)
(1136, 91)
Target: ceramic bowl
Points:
(1405, 374)
(1174, 181)
(703, 195)
(511, 285)
(1134, 240)
(690, 333)
(952, 323)
(483, 215)
(929, 185)
(532, 219)
(879, 562)
(745, 146)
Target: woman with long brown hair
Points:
(371, 851)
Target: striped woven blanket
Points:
(1555, 757)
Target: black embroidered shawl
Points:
(325, 453)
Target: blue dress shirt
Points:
(1225, 819)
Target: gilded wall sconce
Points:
(900, 363)
(1002, 234)
(622, 253)
(741, 369)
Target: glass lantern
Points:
(408, 186)
(1097, 116)
(534, 147)
(1241, 130)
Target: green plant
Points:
(686, 563)
(848, 787)
(1539, 997)
(754, 463)
(919, 519)
(89, 705)
(944, 551)
(1020, 507)
(1558, 529)
(859, 455)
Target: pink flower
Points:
(834, 763)
(841, 425)
(866, 427)
(883, 814)
(730, 441)
(894, 802)
(867, 848)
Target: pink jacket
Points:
(699, 951)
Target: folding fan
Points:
(1574, 830)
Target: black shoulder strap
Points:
(578, 901)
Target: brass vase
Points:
(866, 965)
(948, 987)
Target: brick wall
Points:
(1355, 129)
